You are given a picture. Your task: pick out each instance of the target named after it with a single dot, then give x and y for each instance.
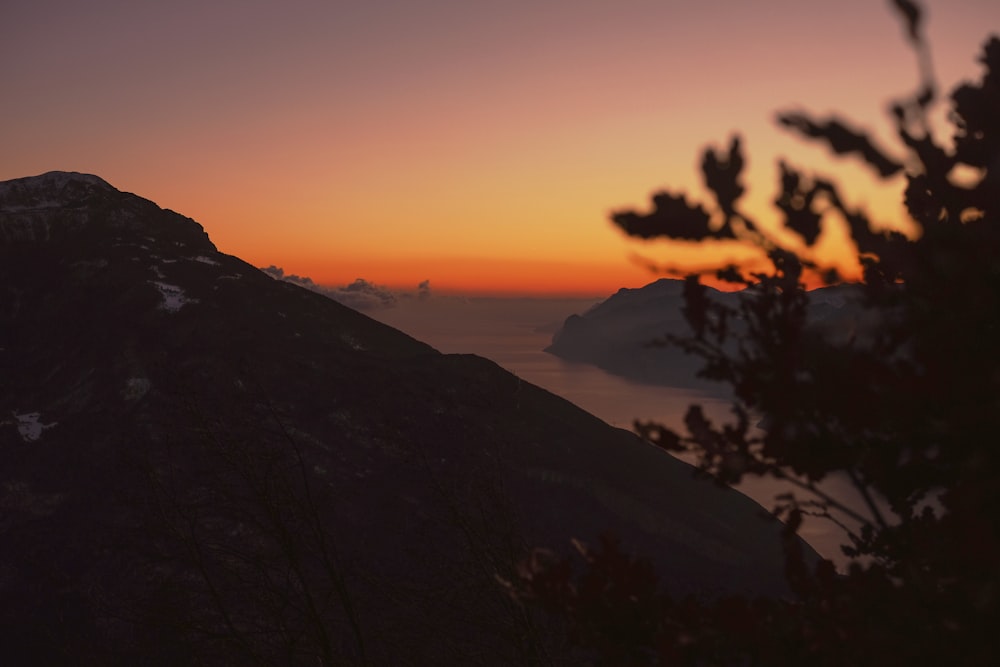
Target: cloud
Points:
(360, 295)
(278, 273)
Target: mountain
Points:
(615, 335)
(204, 465)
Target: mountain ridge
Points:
(204, 464)
(626, 333)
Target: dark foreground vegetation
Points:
(907, 408)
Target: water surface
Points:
(514, 333)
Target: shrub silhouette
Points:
(907, 407)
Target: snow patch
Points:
(36, 205)
(136, 388)
(206, 260)
(29, 427)
(352, 342)
(173, 296)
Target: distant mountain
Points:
(616, 334)
(200, 464)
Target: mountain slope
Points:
(202, 464)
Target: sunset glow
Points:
(480, 146)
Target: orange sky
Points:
(480, 145)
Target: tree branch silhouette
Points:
(906, 405)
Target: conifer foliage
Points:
(906, 407)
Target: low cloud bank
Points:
(360, 295)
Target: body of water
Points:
(514, 333)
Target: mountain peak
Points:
(62, 205)
(48, 190)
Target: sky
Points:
(478, 145)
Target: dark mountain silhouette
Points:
(202, 464)
(616, 334)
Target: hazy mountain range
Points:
(202, 464)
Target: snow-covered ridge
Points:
(59, 205)
(48, 190)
